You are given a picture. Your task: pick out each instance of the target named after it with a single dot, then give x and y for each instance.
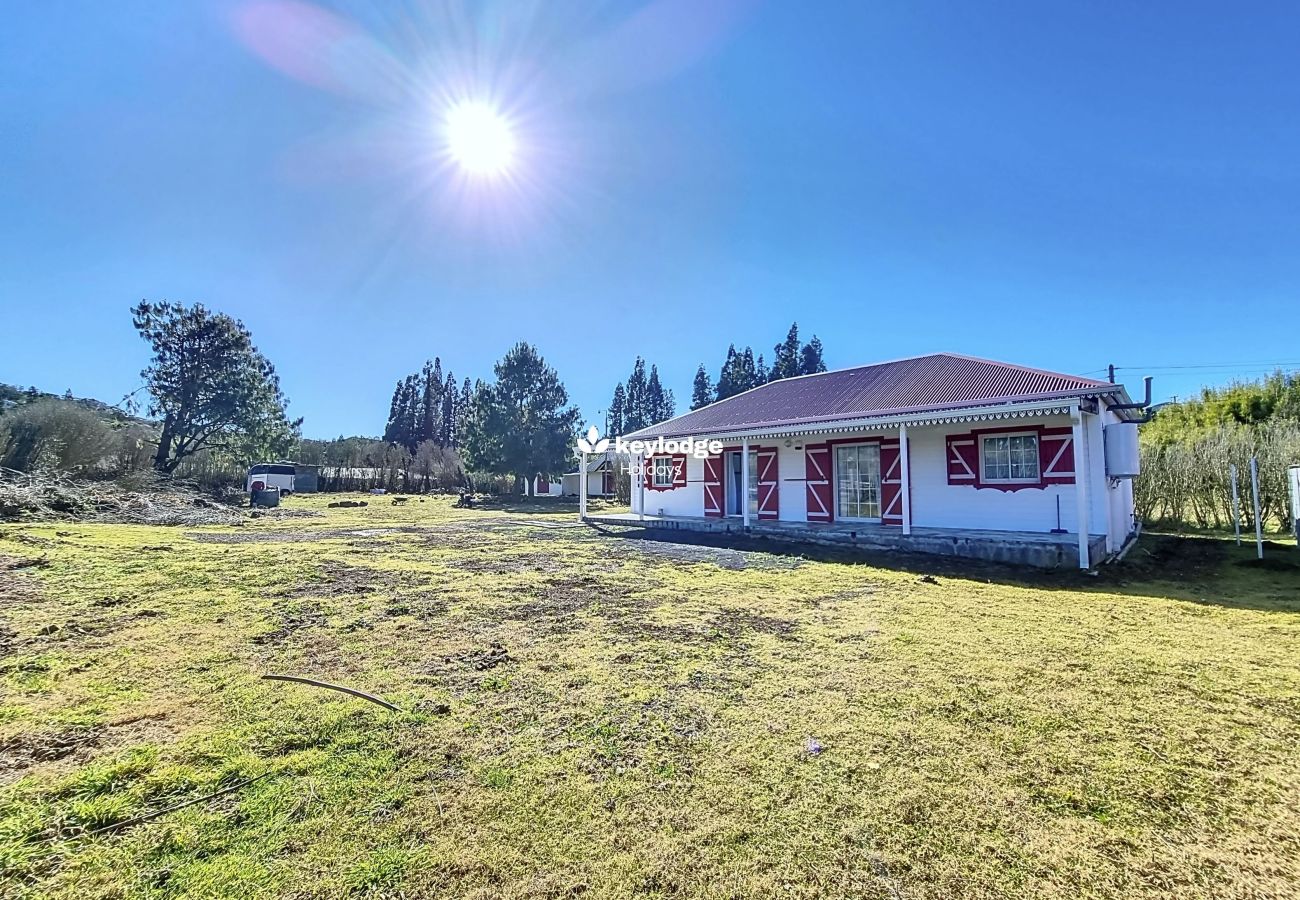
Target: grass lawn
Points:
(585, 714)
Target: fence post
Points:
(1254, 491)
(1236, 505)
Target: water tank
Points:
(1122, 457)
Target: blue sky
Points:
(1060, 185)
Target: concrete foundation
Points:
(1020, 548)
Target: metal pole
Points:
(582, 486)
(744, 480)
(1254, 492)
(1236, 504)
(640, 480)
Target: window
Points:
(1010, 457)
(857, 480)
(662, 471)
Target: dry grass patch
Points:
(589, 715)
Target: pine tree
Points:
(786, 363)
(749, 372)
(702, 392)
(462, 412)
(523, 423)
(430, 402)
(761, 374)
(393, 427)
(810, 360)
(450, 402)
(655, 401)
(727, 375)
(615, 424)
(635, 412)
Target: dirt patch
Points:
(737, 622)
(556, 605)
(1164, 557)
(16, 587)
(293, 620)
(276, 536)
(340, 579)
(68, 748)
(26, 750)
(506, 564)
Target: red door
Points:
(713, 487)
(891, 483)
(817, 473)
(769, 497)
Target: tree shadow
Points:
(1199, 570)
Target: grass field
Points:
(584, 714)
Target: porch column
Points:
(640, 484)
(1080, 485)
(906, 487)
(581, 494)
(744, 480)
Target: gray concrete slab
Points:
(1026, 548)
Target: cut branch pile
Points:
(151, 500)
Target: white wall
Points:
(683, 501)
(937, 504)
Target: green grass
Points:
(589, 715)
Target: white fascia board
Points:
(937, 417)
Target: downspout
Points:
(1144, 405)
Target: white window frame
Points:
(835, 482)
(1038, 459)
(656, 471)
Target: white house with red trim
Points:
(940, 453)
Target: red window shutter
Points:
(1056, 456)
(713, 487)
(963, 459)
(818, 474)
(769, 497)
(679, 470)
(891, 483)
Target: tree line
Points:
(740, 370)
(427, 407)
(641, 402)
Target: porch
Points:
(1042, 549)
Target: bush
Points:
(1185, 476)
(57, 435)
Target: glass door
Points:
(736, 484)
(857, 481)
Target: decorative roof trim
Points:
(938, 417)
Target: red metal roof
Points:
(922, 383)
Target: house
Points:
(541, 486)
(600, 480)
(940, 453)
(600, 476)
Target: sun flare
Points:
(480, 139)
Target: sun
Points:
(480, 139)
